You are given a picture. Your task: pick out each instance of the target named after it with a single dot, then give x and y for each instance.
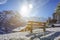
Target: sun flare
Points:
(25, 9)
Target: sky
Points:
(41, 8)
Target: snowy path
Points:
(52, 37)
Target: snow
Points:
(18, 29)
(36, 35)
(48, 35)
(57, 24)
(36, 39)
(57, 38)
(56, 29)
(17, 35)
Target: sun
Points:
(30, 6)
(25, 9)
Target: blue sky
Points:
(41, 8)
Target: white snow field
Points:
(14, 36)
(57, 38)
(36, 35)
(56, 29)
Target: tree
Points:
(53, 21)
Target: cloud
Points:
(3, 1)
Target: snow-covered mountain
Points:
(9, 20)
(38, 19)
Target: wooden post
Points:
(44, 27)
(44, 30)
(31, 25)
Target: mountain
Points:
(9, 20)
(37, 19)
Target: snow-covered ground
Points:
(18, 29)
(38, 34)
(56, 29)
(57, 38)
(14, 36)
